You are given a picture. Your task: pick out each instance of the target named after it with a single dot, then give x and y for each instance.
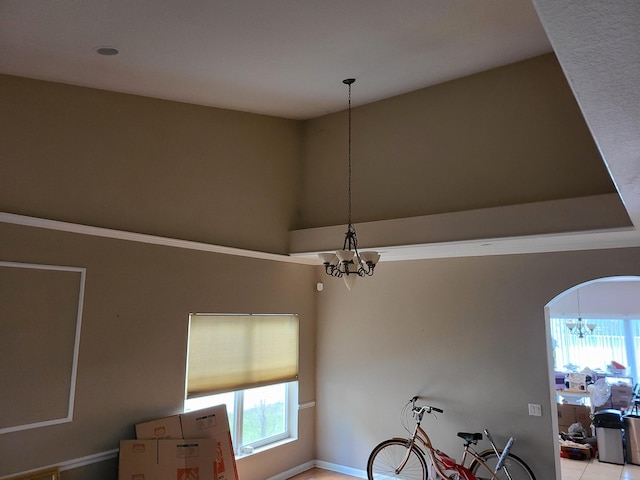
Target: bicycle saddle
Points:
(470, 437)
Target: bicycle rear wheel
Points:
(387, 456)
(518, 470)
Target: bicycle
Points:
(415, 458)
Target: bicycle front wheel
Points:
(387, 457)
(518, 470)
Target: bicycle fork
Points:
(412, 442)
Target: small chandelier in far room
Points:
(349, 263)
(577, 327)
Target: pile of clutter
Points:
(576, 444)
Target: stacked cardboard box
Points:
(166, 427)
(138, 460)
(180, 459)
(569, 414)
(621, 396)
(213, 423)
(191, 446)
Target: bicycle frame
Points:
(443, 463)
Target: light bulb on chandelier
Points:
(349, 263)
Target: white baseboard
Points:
(317, 463)
(111, 454)
(293, 471)
(354, 472)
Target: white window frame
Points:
(291, 420)
(290, 409)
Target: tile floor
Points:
(596, 470)
(571, 470)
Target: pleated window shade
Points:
(235, 352)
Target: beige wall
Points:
(162, 168)
(507, 136)
(144, 165)
(469, 333)
(133, 342)
(466, 333)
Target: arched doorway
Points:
(608, 331)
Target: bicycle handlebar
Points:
(423, 408)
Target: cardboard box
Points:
(138, 460)
(213, 423)
(568, 414)
(167, 459)
(166, 427)
(583, 415)
(621, 396)
(186, 459)
(209, 423)
(575, 451)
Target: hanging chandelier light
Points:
(577, 327)
(349, 263)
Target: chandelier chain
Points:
(349, 154)
(348, 263)
(578, 297)
(577, 326)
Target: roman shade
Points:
(235, 352)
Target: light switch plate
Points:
(535, 410)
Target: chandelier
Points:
(349, 263)
(577, 327)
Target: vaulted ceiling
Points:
(287, 58)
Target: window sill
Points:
(265, 448)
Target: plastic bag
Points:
(576, 430)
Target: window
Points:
(249, 363)
(258, 416)
(612, 339)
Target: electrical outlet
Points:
(535, 410)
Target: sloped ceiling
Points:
(287, 58)
(597, 44)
